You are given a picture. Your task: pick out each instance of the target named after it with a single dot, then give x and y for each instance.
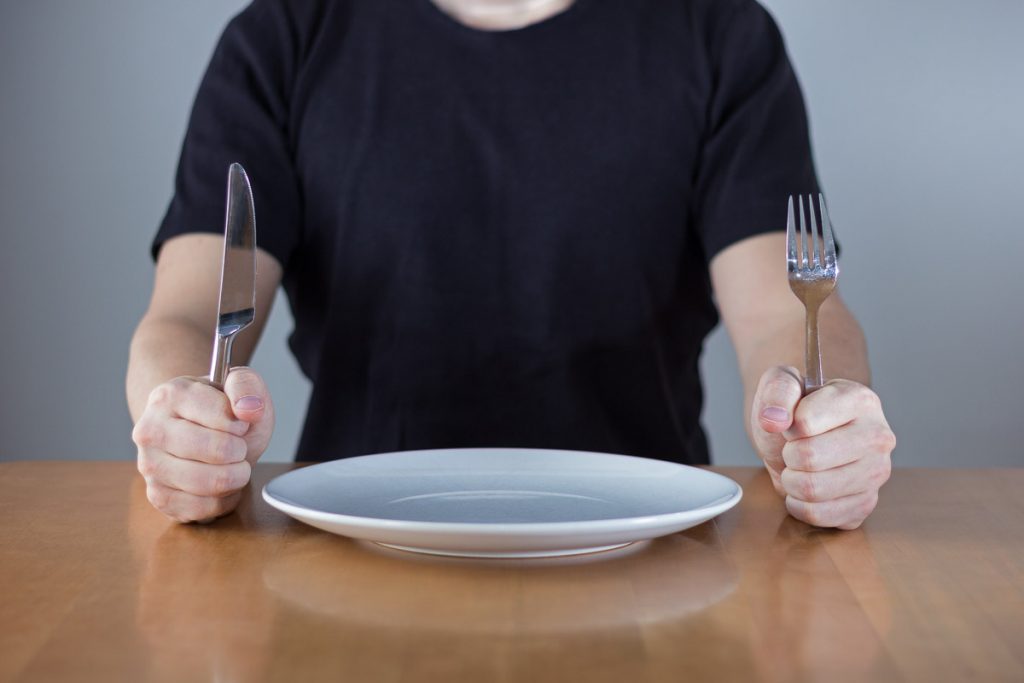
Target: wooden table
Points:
(96, 585)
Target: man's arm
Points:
(765, 320)
(196, 444)
(827, 453)
(175, 336)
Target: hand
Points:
(828, 452)
(197, 445)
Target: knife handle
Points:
(221, 362)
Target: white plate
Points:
(502, 502)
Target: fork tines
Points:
(814, 249)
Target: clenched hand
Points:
(197, 445)
(828, 452)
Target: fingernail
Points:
(249, 403)
(775, 414)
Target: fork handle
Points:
(814, 378)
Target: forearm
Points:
(163, 349)
(843, 349)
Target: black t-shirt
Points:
(499, 238)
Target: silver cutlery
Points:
(812, 268)
(237, 307)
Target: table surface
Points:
(99, 586)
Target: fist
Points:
(196, 445)
(828, 452)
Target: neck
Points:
(497, 15)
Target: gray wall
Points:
(918, 123)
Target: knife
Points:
(237, 307)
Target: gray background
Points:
(917, 111)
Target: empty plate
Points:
(502, 502)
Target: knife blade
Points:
(237, 307)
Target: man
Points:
(501, 223)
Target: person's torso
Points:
(496, 247)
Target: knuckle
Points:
(232, 449)
(147, 433)
(171, 393)
(227, 448)
(866, 398)
(160, 395)
(220, 482)
(810, 488)
(158, 497)
(211, 445)
(815, 515)
(802, 485)
(227, 480)
(180, 385)
(149, 466)
(884, 440)
(138, 434)
(804, 454)
(219, 447)
(166, 394)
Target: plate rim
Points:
(704, 512)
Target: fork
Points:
(812, 269)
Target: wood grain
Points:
(99, 586)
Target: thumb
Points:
(247, 391)
(778, 392)
(771, 412)
(250, 401)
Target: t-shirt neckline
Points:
(441, 18)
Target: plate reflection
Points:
(655, 581)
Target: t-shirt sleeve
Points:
(757, 150)
(241, 114)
